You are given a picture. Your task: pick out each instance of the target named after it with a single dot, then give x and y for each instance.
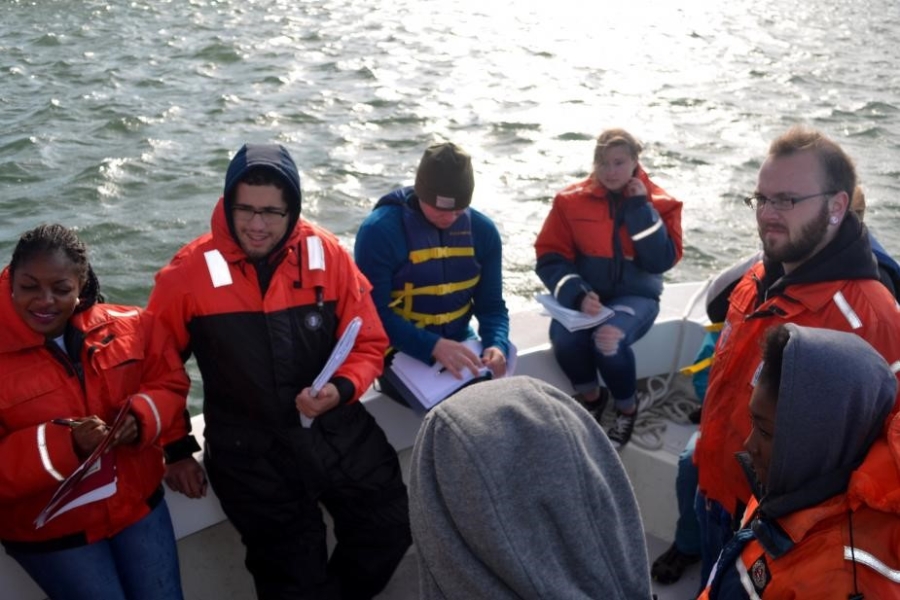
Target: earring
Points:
(834, 220)
(77, 301)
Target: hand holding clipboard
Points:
(340, 353)
(95, 479)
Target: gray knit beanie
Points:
(445, 179)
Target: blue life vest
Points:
(435, 287)
(886, 264)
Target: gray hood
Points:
(835, 394)
(516, 492)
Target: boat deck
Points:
(212, 568)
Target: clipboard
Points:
(93, 480)
(338, 355)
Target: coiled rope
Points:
(663, 402)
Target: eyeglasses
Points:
(757, 200)
(270, 216)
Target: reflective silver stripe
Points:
(744, 576)
(117, 313)
(852, 317)
(649, 231)
(45, 455)
(864, 558)
(561, 282)
(895, 366)
(315, 253)
(218, 268)
(152, 406)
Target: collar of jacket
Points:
(847, 256)
(16, 335)
(598, 190)
(778, 535)
(876, 483)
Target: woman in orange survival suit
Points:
(68, 362)
(607, 241)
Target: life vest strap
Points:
(424, 320)
(426, 254)
(697, 366)
(441, 289)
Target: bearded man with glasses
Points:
(817, 270)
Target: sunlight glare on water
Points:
(120, 118)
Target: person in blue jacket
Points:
(888, 269)
(434, 263)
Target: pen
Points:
(71, 423)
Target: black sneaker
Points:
(671, 564)
(620, 432)
(596, 407)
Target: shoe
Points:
(694, 415)
(671, 565)
(620, 432)
(596, 407)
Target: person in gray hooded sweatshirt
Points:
(516, 492)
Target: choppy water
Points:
(120, 117)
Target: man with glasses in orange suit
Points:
(260, 301)
(817, 270)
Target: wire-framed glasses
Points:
(780, 201)
(269, 215)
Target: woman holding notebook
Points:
(70, 368)
(606, 243)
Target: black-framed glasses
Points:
(780, 201)
(269, 215)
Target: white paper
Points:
(338, 356)
(573, 320)
(433, 383)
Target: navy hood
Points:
(274, 157)
(835, 394)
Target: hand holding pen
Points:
(89, 432)
(590, 304)
(456, 357)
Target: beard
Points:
(797, 250)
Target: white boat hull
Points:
(210, 551)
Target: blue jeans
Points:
(715, 531)
(687, 530)
(138, 563)
(580, 359)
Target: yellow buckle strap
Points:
(426, 254)
(441, 289)
(424, 320)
